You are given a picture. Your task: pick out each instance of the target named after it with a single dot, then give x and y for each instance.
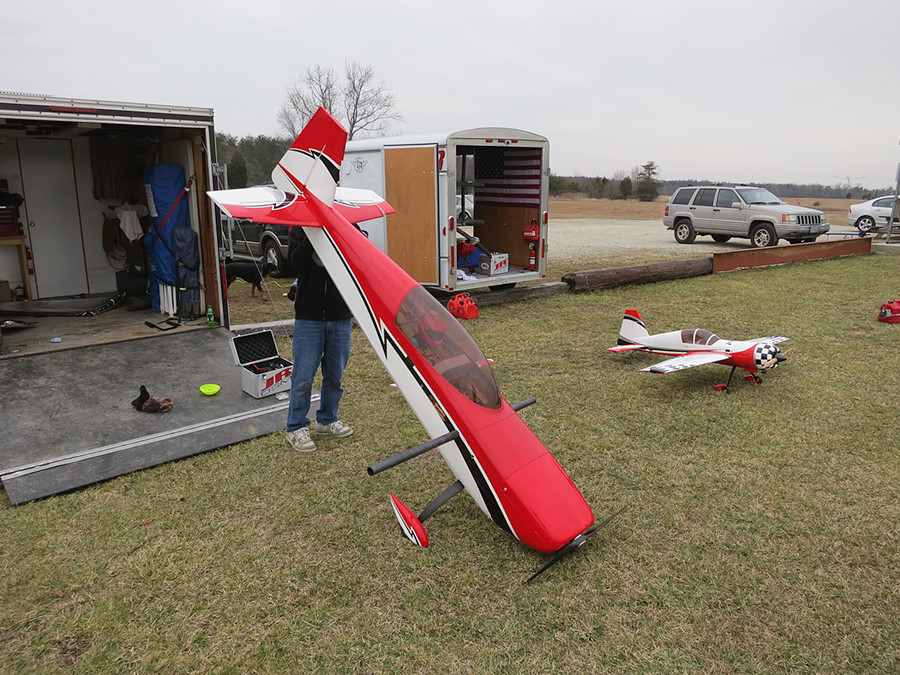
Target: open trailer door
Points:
(410, 188)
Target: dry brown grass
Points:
(571, 206)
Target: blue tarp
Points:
(164, 184)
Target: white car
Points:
(874, 212)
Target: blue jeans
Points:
(325, 343)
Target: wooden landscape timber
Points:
(595, 280)
(721, 261)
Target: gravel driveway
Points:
(588, 243)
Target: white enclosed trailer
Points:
(66, 410)
(73, 161)
(471, 206)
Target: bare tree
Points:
(360, 102)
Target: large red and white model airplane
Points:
(696, 346)
(441, 372)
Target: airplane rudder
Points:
(632, 325)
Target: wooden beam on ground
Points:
(724, 261)
(595, 280)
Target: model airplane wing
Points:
(772, 340)
(686, 361)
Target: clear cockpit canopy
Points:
(446, 345)
(698, 336)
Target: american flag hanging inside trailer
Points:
(508, 176)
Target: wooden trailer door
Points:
(410, 186)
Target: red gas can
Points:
(890, 312)
(462, 306)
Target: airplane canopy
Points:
(446, 345)
(698, 336)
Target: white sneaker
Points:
(300, 440)
(337, 429)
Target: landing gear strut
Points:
(750, 377)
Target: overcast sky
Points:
(803, 91)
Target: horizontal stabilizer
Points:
(265, 204)
(249, 202)
(358, 205)
(625, 348)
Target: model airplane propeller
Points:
(439, 369)
(695, 346)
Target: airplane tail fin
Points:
(633, 329)
(313, 162)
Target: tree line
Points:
(621, 186)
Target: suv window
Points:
(705, 197)
(726, 198)
(683, 196)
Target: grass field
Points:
(761, 531)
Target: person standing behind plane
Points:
(322, 326)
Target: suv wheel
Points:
(272, 254)
(865, 224)
(684, 232)
(763, 235)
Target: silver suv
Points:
(743, 211)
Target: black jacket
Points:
(318, 298)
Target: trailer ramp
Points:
(68, 421)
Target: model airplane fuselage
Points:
(696, 346)
(437, 366)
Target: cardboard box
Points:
(263, 372)
(496, 263)
(5, 294)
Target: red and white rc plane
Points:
(695, 346)
(439, 369)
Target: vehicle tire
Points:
(272, 254)
(763, 235)
(720, 238)
(684, 232)
(865, 224)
